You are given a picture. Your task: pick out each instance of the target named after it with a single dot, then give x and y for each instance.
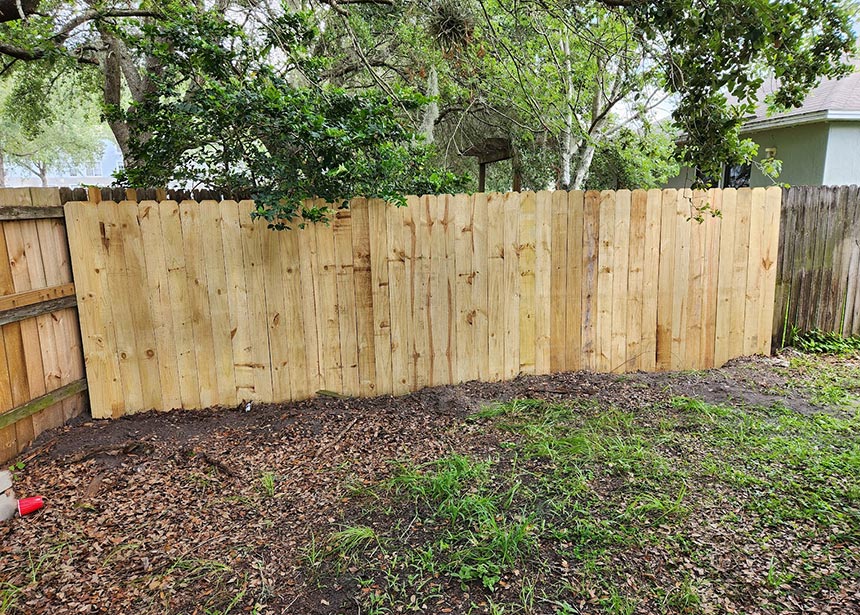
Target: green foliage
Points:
(351, 540)
(720, 47)
(632, 159)
(49, 131)
(267, 483)
(263, 136)
(324, 102)
(824, 342)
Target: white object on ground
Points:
(8, 503)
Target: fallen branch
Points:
(128, 448)
(39, 451)
(336, 439)
(215, 463)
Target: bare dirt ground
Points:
(223, 510)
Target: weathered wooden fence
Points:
(41, 363)
(195, 304)
(818, 279)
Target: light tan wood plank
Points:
(526, 243)
(713, 232)
(755, 273)
(33, 297)
(180, 304)
(158, 295)
(650, 280)
(480, 285)
(142, 317)
(363, 296)
(420, 293)
(769, 248)
(511, 297)
(666, 279)
(237, 301)
(342, 229)
(722, 327)
(327, 309)
(694, 331)
(252, 232)
(291, 256)
(558, 282)
(381, 302)
(605, 282)
(621, 257)
(219, 305)
(451, 289)
(398, 298)
(120, 285)
(740, 261)
(496, 296)
(277, 322)
(198, 297)
(680, 309)
(543, 281)
(636, 279)
(591, 246)
(88, 258)
(460, 211)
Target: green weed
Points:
(267, 483)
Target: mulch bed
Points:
(164, 513)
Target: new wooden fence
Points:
(818, 283)
(195, 304)
(41, 363)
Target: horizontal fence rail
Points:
(195, 304)
(41, 362)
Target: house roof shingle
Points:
(830, 95)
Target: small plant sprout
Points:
(267, 481)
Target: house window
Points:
(737, 176)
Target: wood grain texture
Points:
(496, 295)
(526, 242)
(558, 283)
(388, 300)
(605, 282)
(590, 344)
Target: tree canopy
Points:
(332, 98)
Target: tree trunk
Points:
(567, 134)
(431, 113)
(10, 10)
(112, 91)
(584, 166)
(2, 170)
(43, 174)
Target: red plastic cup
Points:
(29, 505)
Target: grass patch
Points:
(562, 512)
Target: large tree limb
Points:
(13, 10)
(95, 15)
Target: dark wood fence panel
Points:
(819, 262)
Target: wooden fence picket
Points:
(388, 300)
